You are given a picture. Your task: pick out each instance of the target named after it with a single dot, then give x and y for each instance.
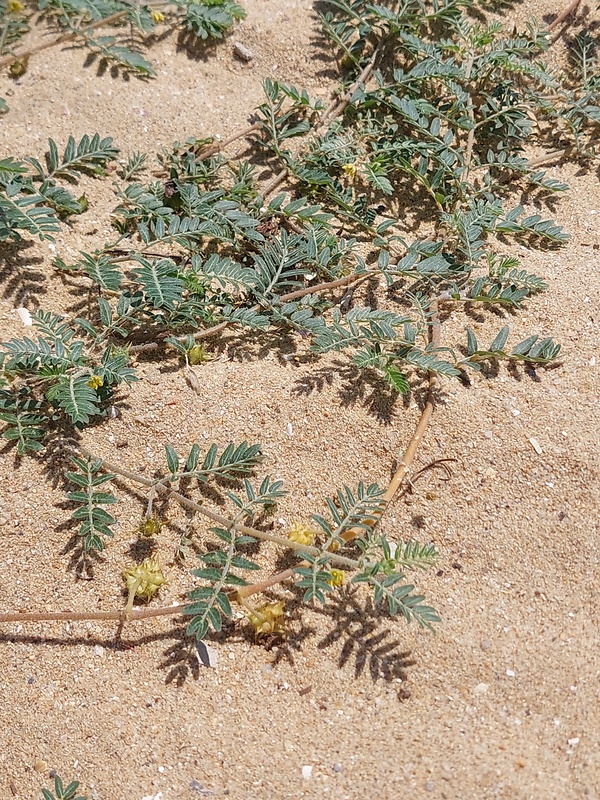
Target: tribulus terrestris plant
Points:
(115, 33)
(434, 110)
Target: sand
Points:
(501, 703)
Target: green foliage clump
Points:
(87, 22)
(429, 130)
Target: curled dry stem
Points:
(399, 476)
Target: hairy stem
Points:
(225, 522)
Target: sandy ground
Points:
(501, 703)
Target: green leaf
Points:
(471, 342)
(397, 379)
(172, 459)
(498, 344)
(73, 395)
(90, 155)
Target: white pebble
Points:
(510, 673)
(25, 316)
(306, 771)
(536, 445)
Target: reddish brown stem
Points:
(337, 110)
(216, 147)
(65, 37)
(322, 287)
(405, 464)
(563, 15)
(75, 616)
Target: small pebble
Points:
(40, 766)
(429, 786)
(536, 445)
(197, 787)
(485, 644)
(510, 673)
(99, 650)
(481, 688)
(306, 771)
(242, 52)
(337, 767)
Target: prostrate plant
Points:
(423, 119)
(132, 26)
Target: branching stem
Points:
(401, 472)
(70, 36)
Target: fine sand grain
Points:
(501, 703)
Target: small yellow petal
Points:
(14, 6)
(349, 169)
(301, 534)
(338, 576)
(158, 16)
(95, 382)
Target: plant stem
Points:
(405, 464)
(336, 111)
(216, 147)
(67, 37)
(285, 298)
(205, 334)
(321, 287)
(225, 522)
(76, 616)
(559, 154)
(563, 15)
(329, 115)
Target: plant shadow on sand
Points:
(359, 634)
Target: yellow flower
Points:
(158, 16)
(267, 618)
(338, 576)
(95, 382)
(13, 6)
(349, 169)
(145, 579)
(301, 534)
